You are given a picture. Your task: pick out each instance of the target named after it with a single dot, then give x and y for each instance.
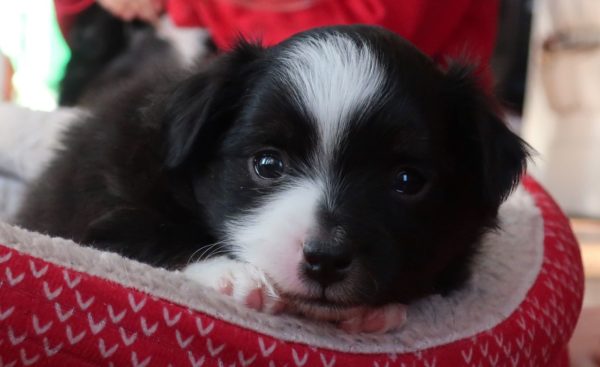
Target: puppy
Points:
(338, 174)
(106, 50)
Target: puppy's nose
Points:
(326, 263)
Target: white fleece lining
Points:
(29, 138)
(505, 269)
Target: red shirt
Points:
(457, 28)
(67, 11)
(454, 28)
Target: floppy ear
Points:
(492, 150)
(204, 105)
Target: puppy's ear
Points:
(490, 148)
(203, 106)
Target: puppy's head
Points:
(343, 163)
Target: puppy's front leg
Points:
(244, 282)
(252, 287)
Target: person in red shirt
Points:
(145, 10)
(442, 29)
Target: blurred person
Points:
(145, 10)
(128, 10)
(457, 29)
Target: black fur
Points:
(156, 171)
(107, 51)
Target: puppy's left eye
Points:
(269, 165)
(409, 182)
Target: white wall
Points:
(562, 114)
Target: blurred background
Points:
(33, 53)
(546, 67)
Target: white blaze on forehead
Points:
(271, 236)
(333, 77)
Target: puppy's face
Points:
(344, 164)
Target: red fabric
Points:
(56, 316)
(67, 11)
(440, 28)
(458, 28)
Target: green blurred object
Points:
(31, 39)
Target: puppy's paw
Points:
(375, 320)
(242, 281)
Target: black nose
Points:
(326, 263)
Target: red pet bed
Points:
(66, 305)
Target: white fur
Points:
(271, 237)
(333, 78)
(243, 279)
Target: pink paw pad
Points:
(254, 299)
(225, 286)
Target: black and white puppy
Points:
(339, 170)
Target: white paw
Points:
(375, 320)
(242, 281)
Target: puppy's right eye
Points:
(409, 182)
(269, 165)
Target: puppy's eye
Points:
(409, 182)
(269, 165)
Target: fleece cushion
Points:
(66, 305)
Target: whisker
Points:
(213, 251)
(190, 259)
(217, 253)
(208, 251)
(204, 251)
(375, 283)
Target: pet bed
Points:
(66, 305)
